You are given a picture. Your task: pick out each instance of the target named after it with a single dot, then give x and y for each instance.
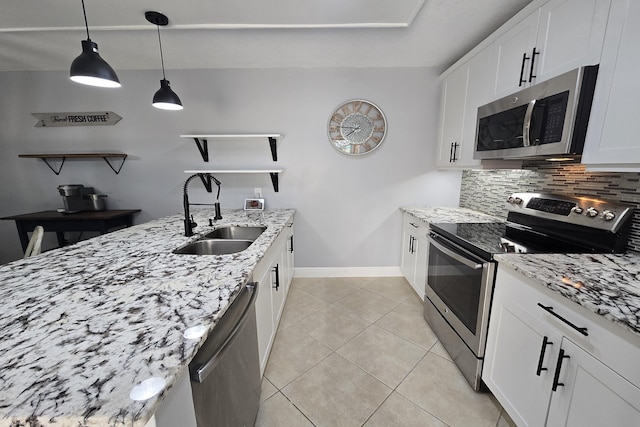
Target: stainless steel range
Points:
(461, 268)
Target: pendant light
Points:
(89, 68)
(164, 98)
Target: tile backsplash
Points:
(487, 190)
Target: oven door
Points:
(460, 285)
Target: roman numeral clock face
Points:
(357, 127)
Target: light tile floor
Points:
(357, 352)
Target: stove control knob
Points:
(577, 210)
(608, 215)
(592, 212)
(517, 201)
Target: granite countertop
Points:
(607, 284)
(440, 214)
(83, 324)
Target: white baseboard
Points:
(310, 272)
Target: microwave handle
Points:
(461, 259)
(526, 126)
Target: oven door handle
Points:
(460, 258)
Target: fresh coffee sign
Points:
(93, 118)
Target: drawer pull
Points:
(556, 377)
(549, 310)
(545, 343)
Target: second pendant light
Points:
(164, 98)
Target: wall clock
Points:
(357, 127)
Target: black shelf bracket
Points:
(274, 180)
(274, 149)
(57, 172)
(106, 159)
(203, 147)
(206, 181)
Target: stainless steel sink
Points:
(235, 232)
(214, 247)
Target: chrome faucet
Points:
(189, 224)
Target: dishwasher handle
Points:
(199, 372)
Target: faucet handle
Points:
(193, 223)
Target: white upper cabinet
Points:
(612, 143)
(454, 93)
(555, 38)
(570, 34)
(512, 55)
(463, 91)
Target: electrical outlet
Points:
(258, 192)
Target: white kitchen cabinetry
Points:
(463, 91)
(415, 252)
(555, 38)
(530, 352)
(264, 315)
(612, 142)
(273, 274)
(288, 256)
(510, 51)
(593, 394)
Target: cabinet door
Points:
(264, 319)
(512, 55)
(278, 289)
(422, 258)
(408, 263)
(519, 360)
(611, 136)
(287, 259)
(592, 394)
(452, 111)
(481, 77)
(570, 34)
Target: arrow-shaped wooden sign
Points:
(93, 118)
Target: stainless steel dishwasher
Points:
(225, 374)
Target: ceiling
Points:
(37, 35)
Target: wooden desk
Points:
(101, 221)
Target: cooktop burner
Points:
(545, 223)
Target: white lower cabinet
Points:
(544, 371)
(415, 252)
(514, 352)
(592, 394)
(273, 274)
(264, 318)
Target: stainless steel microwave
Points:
(548, 119)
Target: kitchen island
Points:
(82, 325)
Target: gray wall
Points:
(347, 207)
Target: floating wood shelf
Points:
(203, 145)
(105, 156)
(207, 181)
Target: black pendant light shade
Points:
(89, 68)
(164, 98)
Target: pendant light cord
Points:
(161, 57)
(84, 12)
